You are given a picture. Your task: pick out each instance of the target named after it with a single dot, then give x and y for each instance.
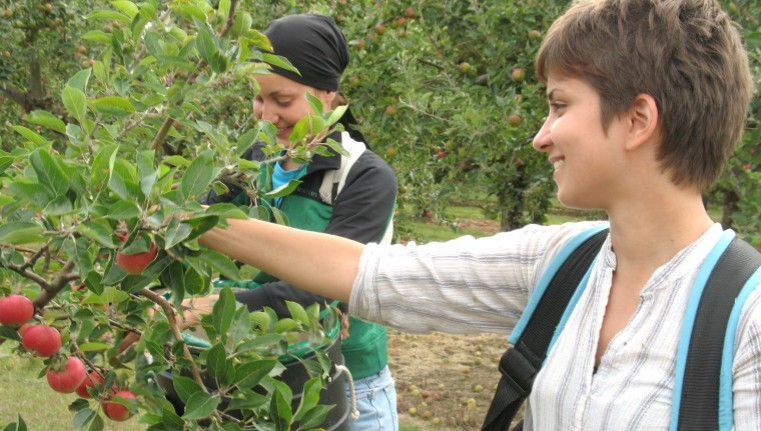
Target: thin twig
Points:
(172, 318)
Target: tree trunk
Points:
(511, 203)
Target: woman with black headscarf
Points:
(353, 196)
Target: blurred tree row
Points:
(444, 90)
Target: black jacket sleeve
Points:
(361, 212)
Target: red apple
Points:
(135, 263)
(43, 340)
(116, 411)
(68, 378)
(518, 74)
(92, 379)
(15, 310)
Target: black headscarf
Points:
(317, 47)
(314, 45)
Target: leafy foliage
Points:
(129, 152)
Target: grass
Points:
(26, 394)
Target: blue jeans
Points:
(376, 402)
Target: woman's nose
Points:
(542, 139)
(266, 113)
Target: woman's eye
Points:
(556, 106)
(283, 103)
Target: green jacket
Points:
(361, 211)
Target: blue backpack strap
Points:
(702, 398)
(557, 261)
(555, 294)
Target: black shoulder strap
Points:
(699, 406)
(520, 363)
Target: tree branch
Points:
(172, 318)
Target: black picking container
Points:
(295, 375)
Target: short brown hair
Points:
(686, 54)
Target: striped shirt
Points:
(470, 285)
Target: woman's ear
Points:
(643, 121)
(328, 98)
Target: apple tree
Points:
(99, 223)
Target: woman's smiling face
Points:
(283, 102)
(585, 156)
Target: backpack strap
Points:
(702, 397)
(333, 181)
(548, 309)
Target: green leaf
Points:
(224, 310)
(336, 114)
(5, 162)
(176, 232)
(75, 102)
(314, 102)
(99, 231)
(110, 295)
(198, 175)
(286, 324)
(35, 138)
(189, 11)
(29, 192)
(97, 424)
(205, 44)
(258, 39)
(279, 61)
(280, 216)
(315, 417)
(310, 398)
(83, 417)
(48, 172)
(109, 16)
(301, 130)
(77, 249)
(79, 80)
(241, 326)
(195, 283)
(297, 312)
(249, 400)
(249, 374)
(59, 206)
(262, 320)
(200, 405)
(174, 278)
(283, 190)
(185, 387)
(216, 362)
(242, 23)
(102, 166)
(127, 7)
(94, 347)
(222, 264)
(123, 209)
(46, 119)
(20, 232)
(97, 36)
(153, 43)
(170, 421)
(20, 425)
(224, 7)
(114, 102)
(280, 406)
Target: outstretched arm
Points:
(317, 262)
